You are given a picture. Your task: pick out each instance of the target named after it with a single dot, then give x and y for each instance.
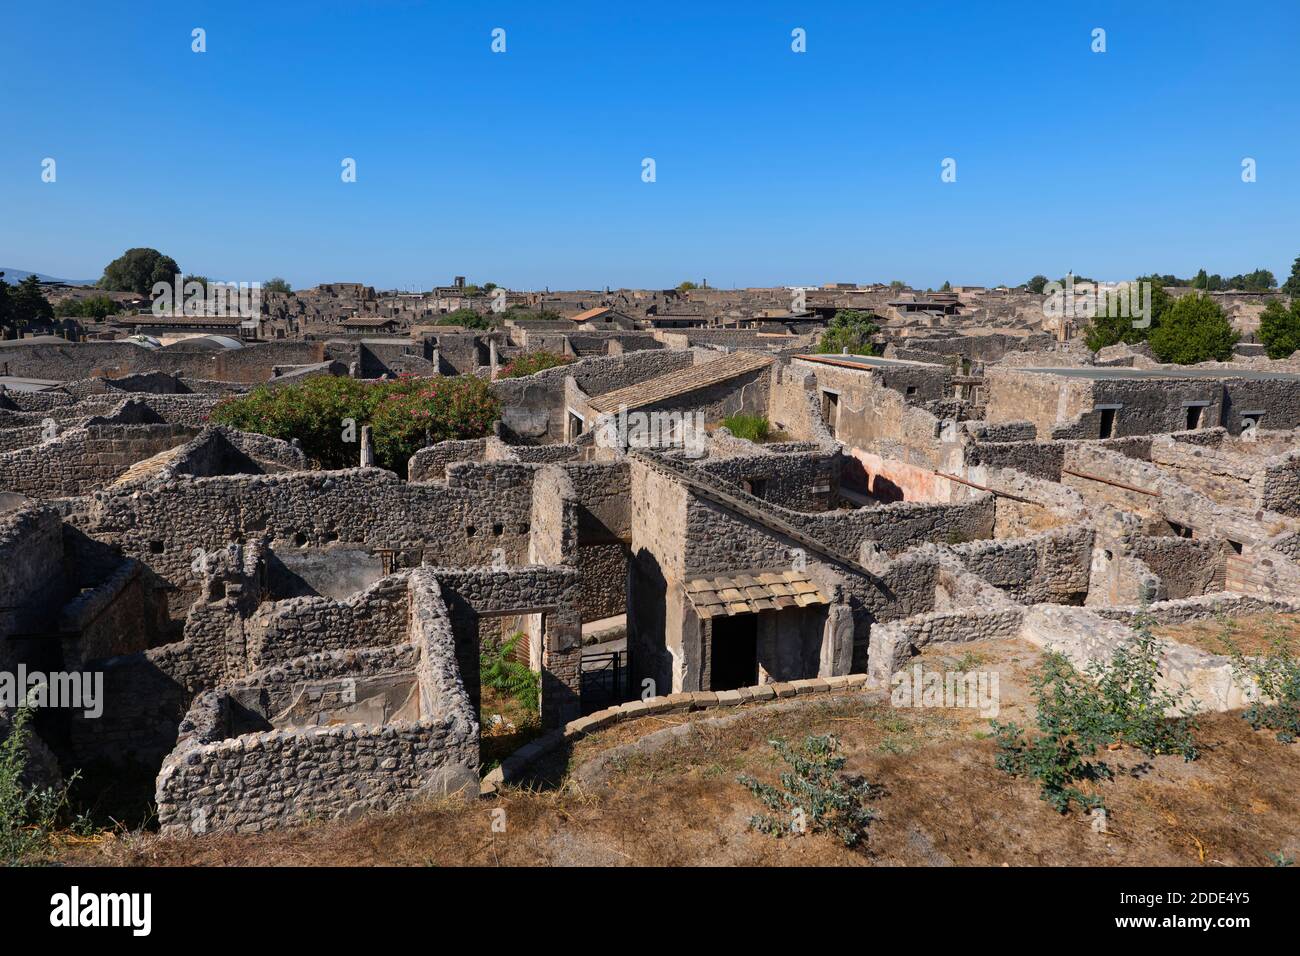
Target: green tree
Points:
(1292, 285)
(405, 415)
(467, 318)
(1194, 329)
(946, 287)
(1037, 284)
(1110, 327)
(136, 270)
(93, 307)
(686, 286)
(850, 329)
(28, 305)
(1279, 329)
(6, 308)
(534, 361)
(276, 285)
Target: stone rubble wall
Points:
(84, 459)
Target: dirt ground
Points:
(620, 801)
(1251, 634)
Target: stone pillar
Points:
(561, 667)
(354, 370)
(836, 656)
(367, 448)
(492, 358)
(436, 359)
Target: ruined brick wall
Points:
(482, 509)
(799, 482)
(892, 644)
(1278, 485)
(1052, 567)
(84, 459)
(251, 364)
(534, 404)
(430, 463)
(286, 775)
(280, 631)
(1043, 459)
(1186, 568)
(32, 581)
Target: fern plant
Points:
(814, 795)
(499, 670)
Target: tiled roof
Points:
(752, 592)
(680, 382)
(589, 314)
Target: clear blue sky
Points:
(773, 167)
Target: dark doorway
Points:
(734, 652)
(830, 410)
(1193, 417)
(1108, 423)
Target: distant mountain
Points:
(17, 275)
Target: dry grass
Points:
(1252, 634)
(943, 800)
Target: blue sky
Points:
(524, 168)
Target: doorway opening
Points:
(734, 652)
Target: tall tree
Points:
(136, 270)
(1292, 285)
(850, 329)
(1110, 327)
(1194, 329)
(1279, 329)
(28, 303)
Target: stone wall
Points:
(84, 459)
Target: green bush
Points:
(752, 427)
(1078, 713)
(849, 329)
(405, 415)
(28, 815)
(1193, 329)
(1277, 675)
(499, 670)
(814, 794)
(535, 361)
(1279, 329)
(467, 318)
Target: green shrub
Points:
(534, 361)
(1277, 675)
(850, 329)
(1193, 329)
(1078, 713)
(499, 670)
(1279, 329)
(28, 814)
(404, 415)
(814, 794)
(468, 318)
(752, 427)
